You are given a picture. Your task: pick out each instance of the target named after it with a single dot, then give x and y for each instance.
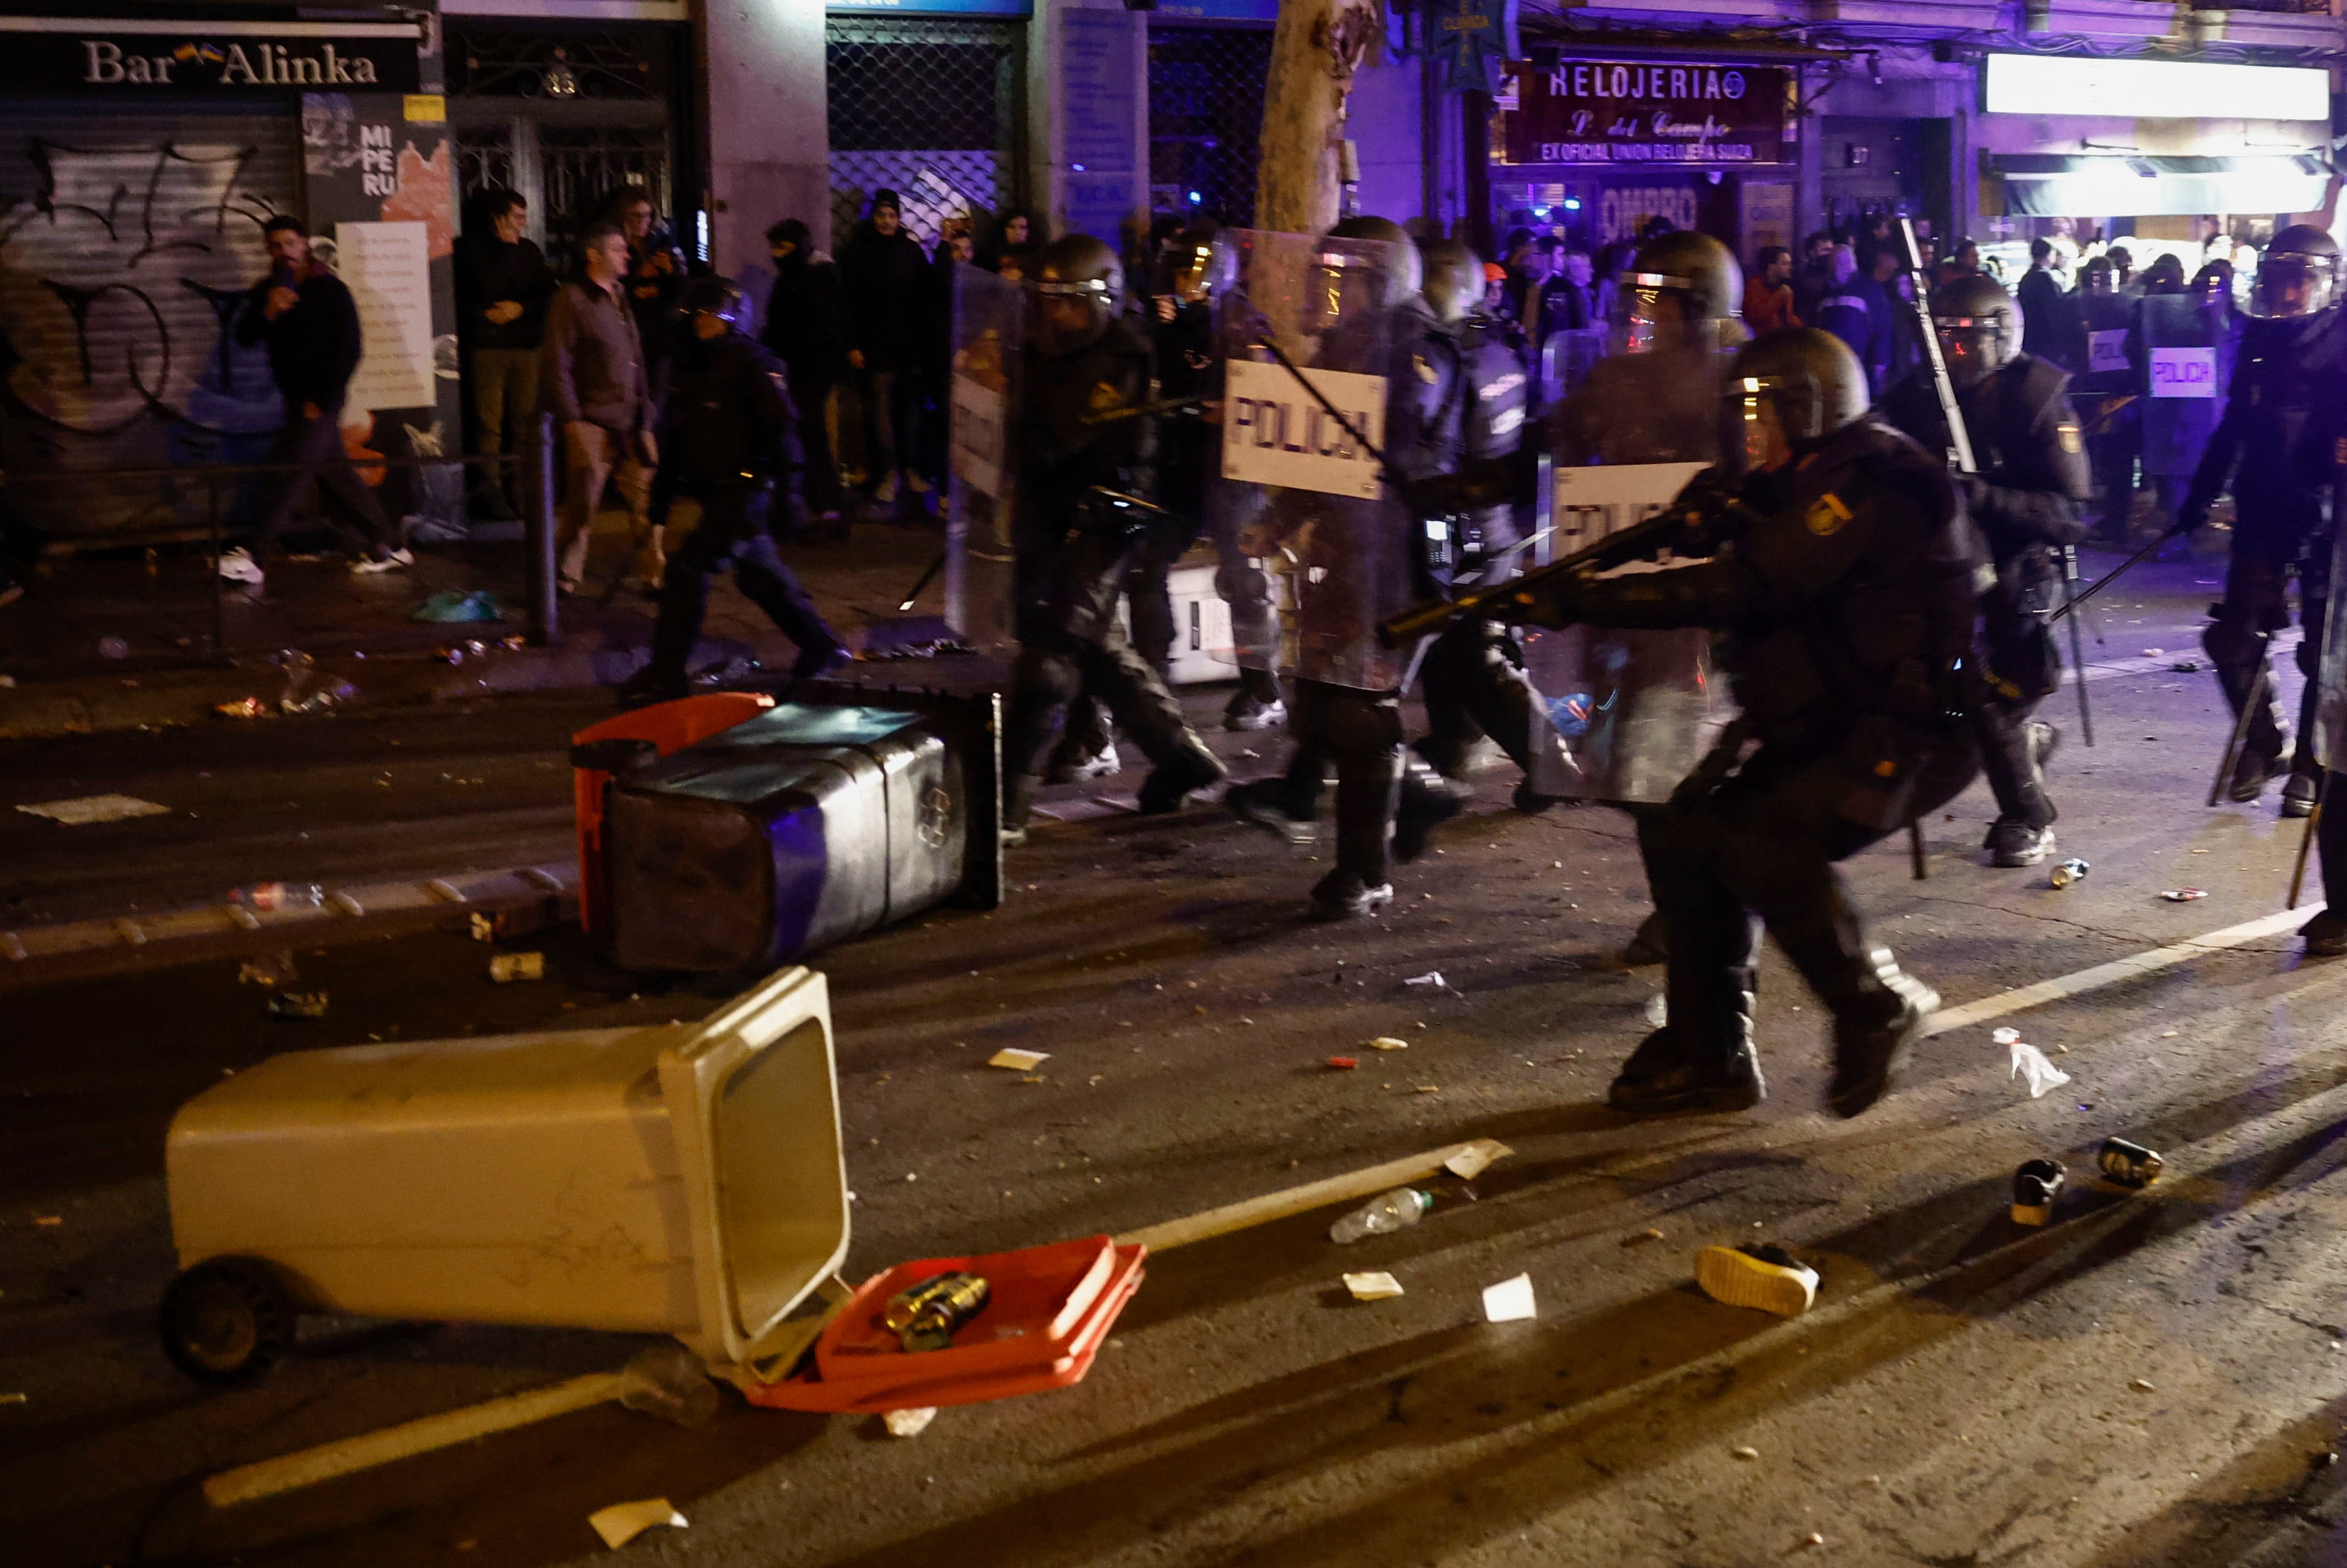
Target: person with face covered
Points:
(1845, 594)
(2273, 448)
(2027, 500)
(1072, 552)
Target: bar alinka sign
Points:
(50, 54)
(1647, 112)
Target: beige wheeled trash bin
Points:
(681, 1179)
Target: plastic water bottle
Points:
(1394, 1211)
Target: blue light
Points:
(1572, 204)
(1077, 167)
(1195, 198)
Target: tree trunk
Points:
(1319, 46)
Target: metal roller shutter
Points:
(931, 109)
(121, 235)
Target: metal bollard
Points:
(539, 533)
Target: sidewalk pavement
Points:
(115, 642)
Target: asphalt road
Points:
(2151, 1381)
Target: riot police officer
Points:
(1471, 397)
(1072, 551)
(1847, 597)
(2269, 448)
(2024, 499)
(730, 441)
(2109, 391)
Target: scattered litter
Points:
(910, 1423)
(623, 1521)
(2154, 653)
(48, 1219)
(243, 708)
(1509, 1300)
(2004, 1034)
(83, 810)
(1761, 1274)
(507, 968)
(1473, 1160)
(1429, 1089)
(2184, 895)
(2069, 871)
(267, 896)
(1814, 1538)
(341, 695)
(2129, 1166)
(274, 970)
(2036, 1185)
(298, 1004)
(1643, 1237)
(1658, 1009)
(1746, 1453)
(943, 645)
(923, 1317)
(1375, 1287)
(1344, 1063)
(1432, 977)
(1018, 1061)
(7, 682)
(113, 647)
(452, 606)
(2185, 666)
(2143, 1385)
(2030, 1065)
(1388, 1042)
(20, 1399)
(1381, 1215)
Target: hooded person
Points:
(806, 329)
(885, 273)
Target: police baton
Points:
(2078, 641)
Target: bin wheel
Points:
(227, 1320)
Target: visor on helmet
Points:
(1753, 436)
(2292, 285)
(1974, 346)
(1070, 316)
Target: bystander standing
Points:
(1768, 291)
(806, 329)
(592, 368)
(883, 272)
(502, 287)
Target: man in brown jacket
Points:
(592, 367)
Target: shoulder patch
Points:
(2072, 442)
(1826, 516)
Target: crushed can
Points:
(2129, 1166)
(507, 968)
(2036, 1185)
(2069, 871)
(925, 1315)
(298, 1004)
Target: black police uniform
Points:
(1848, 606)
(1073, 557)
(1473, 673)
(2025, 501)
(2272, 448)
(730, 440)
(2111, 399)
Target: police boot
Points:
(1273, 805)
(1171, 780)
(1073, 761)
(651, 684)
(2326, 934)
(1879, 1010)
(1701, 1058)
(1427, 801)
(2239, 655)
(2298, 794)
(1343, 895)
(1255, 705)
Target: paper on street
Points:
(623, 1521)
(1018, 1061)
(1378, 1286)
(1476, 1158)
(911, 1422)
(2029, 1063)
(1509, 1300)
(83, 810)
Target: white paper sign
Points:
(1277, 432)
(979, 436)
(1587, 505)
(2106, 350)
(2184, 373)
(388, 269)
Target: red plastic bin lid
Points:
(996, 1368)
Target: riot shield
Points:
(981, 468)
(1566, 358)
(2189, 349)
(2329, 739)
(1306, 338)
(1637, 710)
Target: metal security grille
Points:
(930, 109)
(1206, 89)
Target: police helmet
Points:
(2098, 276)
(1079, 287)
(1364, 263)
(718, 297)
(2298, 276)
(1454, 278)
(1978, 325)
(1678, 280)
(1786, 390)
(1195, 266)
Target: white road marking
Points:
(2117, 971)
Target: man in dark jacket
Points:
(806, 330)
(730, 442)
(592, 368)
(885, 272)
(655, 277)
(309, 324)
(503, 286)
(2049, 319)
(2026, 499)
